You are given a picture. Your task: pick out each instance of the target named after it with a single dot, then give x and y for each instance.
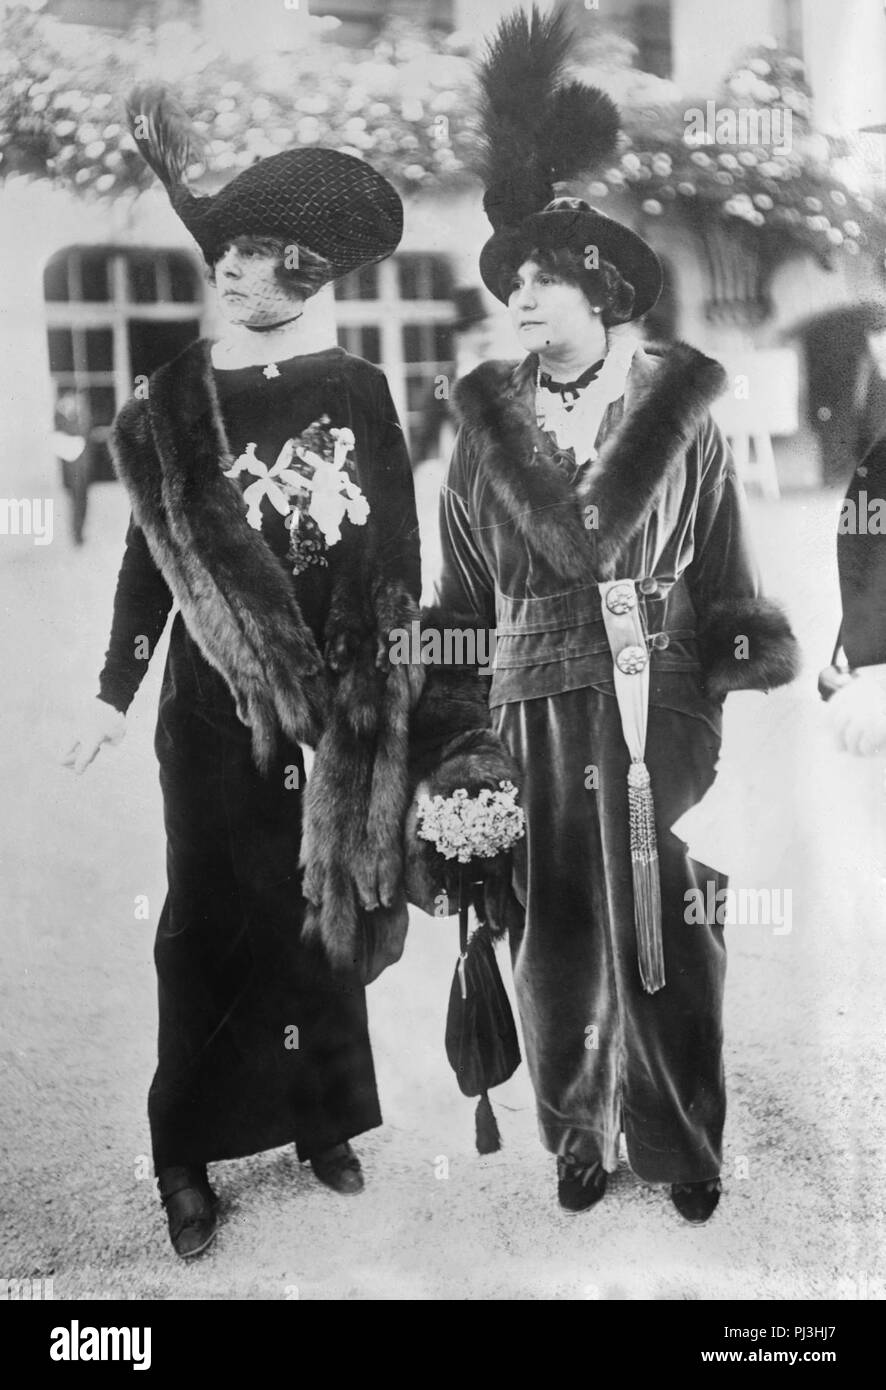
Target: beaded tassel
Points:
(647, 884)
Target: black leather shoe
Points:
(696, 1201)
(579, 1186)
(339, 1168)
(190, 1209)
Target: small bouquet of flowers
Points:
(465, 827)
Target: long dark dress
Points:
(259, 1043)
(604, 1056)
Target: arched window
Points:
(114, 314)
(399, 314)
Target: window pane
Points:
(370, 344)
(61, 350)
(55, 280)
(420, 391)
(408, 277)
(99, 349)
(424, 277)
(142, 280)
(102, 405)
(360, 284)
(416, 347)
(94, 276)
(441, 278)
(183, 280)
(442, 341)
(363, 340)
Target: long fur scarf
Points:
(239, 606)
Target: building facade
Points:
(94, 296)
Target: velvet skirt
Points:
(605, 1057)
(260, 1043)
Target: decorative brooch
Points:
(310, 486)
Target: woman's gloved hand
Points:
(857, 712)
(102, 723)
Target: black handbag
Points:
(481, 1036)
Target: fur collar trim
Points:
(235, 598)
(665, 403)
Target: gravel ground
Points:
(802, 1213)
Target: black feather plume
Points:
(536, 129)
(580, 131)
(163, 133)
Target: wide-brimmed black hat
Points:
(539, 130)
(574, 224)
(322, 200)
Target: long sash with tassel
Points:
(627, 642)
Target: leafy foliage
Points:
(408, 105)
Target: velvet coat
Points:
(526, 539)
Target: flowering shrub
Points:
(404, 104)
(467, 827)
(784, 196)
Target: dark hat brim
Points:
(322, 200)
(576, 229)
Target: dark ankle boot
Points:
(580, 1186)
(339, 1168)
(696, 1201)
(190, 1209)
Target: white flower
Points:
(463, 827)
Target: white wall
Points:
(707, 36)
(845, 51)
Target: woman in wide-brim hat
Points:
(272, 501)
(592, 515)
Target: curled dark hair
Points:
(309, 273)
(604, 287)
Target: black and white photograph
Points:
(443, 555)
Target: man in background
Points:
(70, 442)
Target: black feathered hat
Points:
(470, 309)
(322, 200)
(539, 131)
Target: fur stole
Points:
(239, 606)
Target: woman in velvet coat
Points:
(590, 461)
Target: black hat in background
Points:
(470, 308)
(322, 200)
(539, 130)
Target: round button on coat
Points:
(621, 598)
(661, 641)
(631, 660)
(648, 586)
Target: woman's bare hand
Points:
(101, 724)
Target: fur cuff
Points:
(746, 644)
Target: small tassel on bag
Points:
(488, 1136)
(647, 883)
